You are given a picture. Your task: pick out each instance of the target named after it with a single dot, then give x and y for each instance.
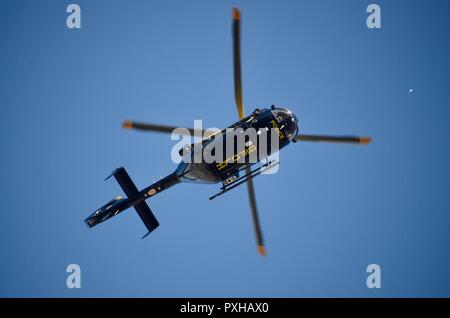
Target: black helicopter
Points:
(230, 171)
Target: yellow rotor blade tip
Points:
(262, 250)
(127, 124)
(365, 140)
(236, 14)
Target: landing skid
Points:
(256, 172)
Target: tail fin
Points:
(127, 185)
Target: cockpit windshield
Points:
(287, 121)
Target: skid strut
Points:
(245, 177)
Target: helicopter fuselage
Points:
(241, 144)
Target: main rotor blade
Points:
(337, 139)
(237, 62)
(255, 218)
(163, 128)
(240, 108)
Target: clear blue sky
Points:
(329, 212)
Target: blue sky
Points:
(330, 211)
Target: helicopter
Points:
(231, 172)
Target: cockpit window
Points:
(287, 121)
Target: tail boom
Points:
(135, 199)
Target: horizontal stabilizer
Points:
(147, 217)
(130, 190)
